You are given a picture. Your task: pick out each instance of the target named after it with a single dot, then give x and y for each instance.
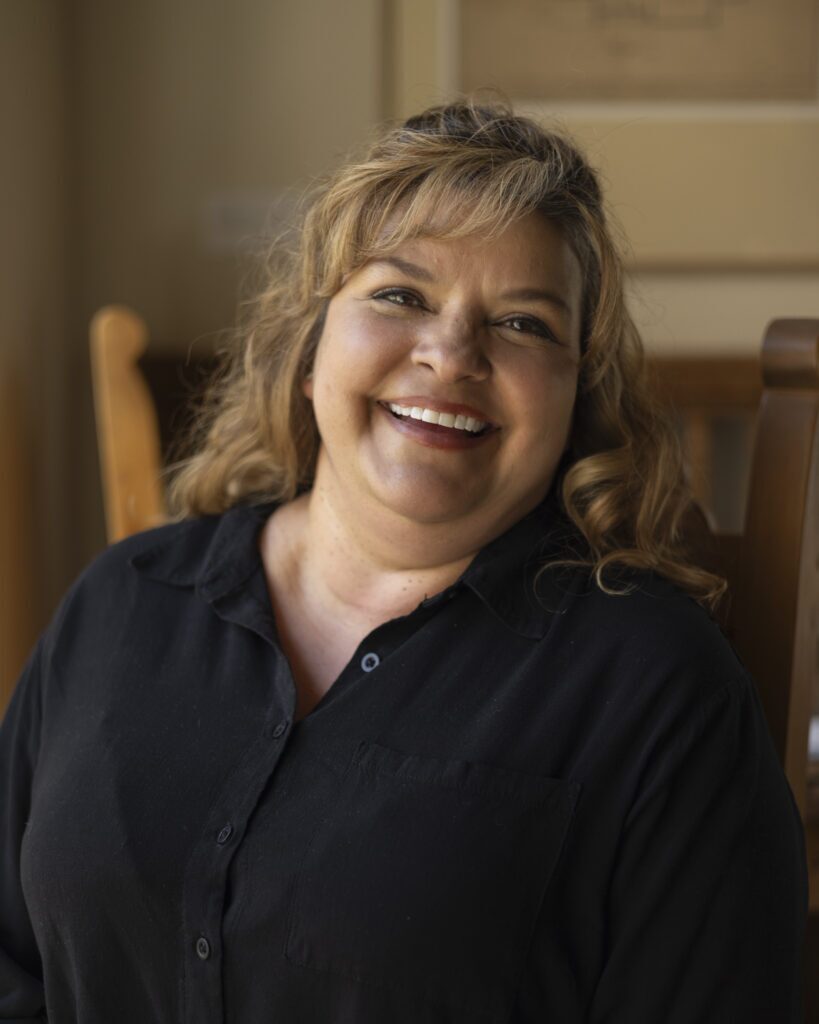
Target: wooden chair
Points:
(774, 619)
(772, 567)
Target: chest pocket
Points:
(426, 877)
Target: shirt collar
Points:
(215, 554)
(218, 554)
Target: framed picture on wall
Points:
(637, 50)
(703, 115)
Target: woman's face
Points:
(480, 336)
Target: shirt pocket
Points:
(426, 877)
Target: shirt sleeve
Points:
(708, 903)
(21, 986)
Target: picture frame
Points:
(697, 185)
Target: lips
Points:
(439, 405)
(430, 432)
(442, 419)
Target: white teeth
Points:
(444, 419)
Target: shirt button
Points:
(370, 661)
(224, 834)
(202, 948)
(280, 728)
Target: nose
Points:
(452, 347)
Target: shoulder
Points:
(186, 541)
(110, 584)
(648, 637)
(209, 554)
(659, 684)
(639, 604)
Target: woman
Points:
(418, 713)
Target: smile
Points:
(433, 429)
(441, 419)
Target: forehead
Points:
(532, 251)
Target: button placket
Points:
(208, 869)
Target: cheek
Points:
(564, 406)
(549, 433)
(360, 352)
(551, 392)
(374, 342)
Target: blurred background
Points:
(150, 148)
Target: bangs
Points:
(458, 199)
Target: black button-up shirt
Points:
(506, 808)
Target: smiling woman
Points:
(417, 712)
(469, 175)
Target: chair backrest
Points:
(127, 425)
(772, 568)
(773, 619)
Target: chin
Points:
(423, 505)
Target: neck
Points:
(369, 567)
(365, 562)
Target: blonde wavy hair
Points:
(454, 171)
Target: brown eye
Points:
(529, 325)
(398, 297)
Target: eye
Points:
(529, 325)
(399, 297)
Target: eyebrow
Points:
(406, 267)
(520, 294)
(538, 295)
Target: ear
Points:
(307, 386)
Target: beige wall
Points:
(33, 472)
(193, 116)
(188, 103)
